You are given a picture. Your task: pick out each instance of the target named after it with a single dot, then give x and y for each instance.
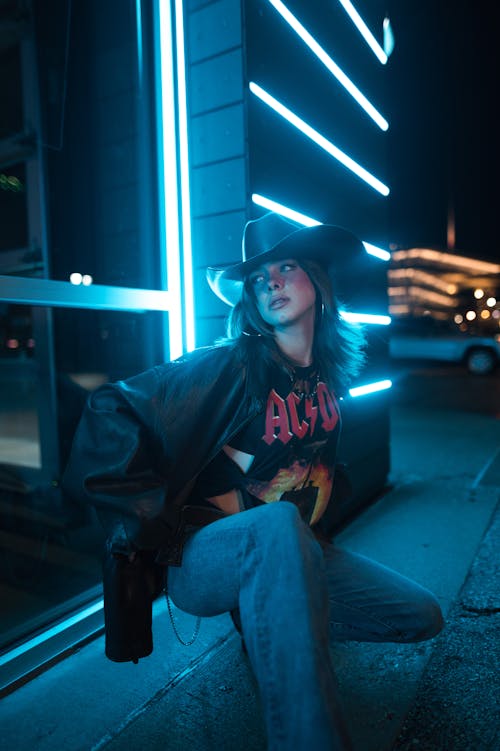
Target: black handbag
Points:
(129, 587)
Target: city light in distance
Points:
(491, 302)
(470, 315)
(478, 294)
(77, 278)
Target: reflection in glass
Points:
(50, 547)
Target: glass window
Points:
(73, 110)
(50, 361)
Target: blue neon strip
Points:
(332, 66)
(326, 145)
(187, 254)
(370, 318)
(364, 30)
(296, 216)
(170, 218)
(384, 255)
(50, 632)
(138, 17)
(370, 388)
(279, 208)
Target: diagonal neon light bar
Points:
(279, 208)
(332, 66)
(375, 251)
(371, 318)
(370, 388)
(326, 145)
(364, 30)
(307, 221)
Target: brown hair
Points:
(338, 347)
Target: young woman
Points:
(220, 466)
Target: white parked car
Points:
(429, 339)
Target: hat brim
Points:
(324, 243)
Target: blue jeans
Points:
(294, 596)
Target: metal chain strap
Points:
(196, 627)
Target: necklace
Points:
(305, 384)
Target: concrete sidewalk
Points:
(432, 526)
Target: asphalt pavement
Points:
(438, 523)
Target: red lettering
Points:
(298, 429)
(311, 413)
(276, 419)
(327, 407)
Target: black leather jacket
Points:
(142, 442)
(135, 457)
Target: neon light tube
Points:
(50, 632)
(170, 217)
(296, 216)
(187, 255)
(326, 145)
(388, 37)
(370, 318)
(138, 18)
(384, 255)
(327, 61)
(364, 30)
(370, 388)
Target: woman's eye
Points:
(288, 266)
(257, 279)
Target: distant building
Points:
(446, 286)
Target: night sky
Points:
(443, 81)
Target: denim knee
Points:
(278, 520)
(279, 528)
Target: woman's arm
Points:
(113, 464)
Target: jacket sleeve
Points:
(114, 464)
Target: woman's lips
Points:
(278, 302)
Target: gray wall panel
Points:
(218, 238)
(218, 135)
(214, 28)
(219, 187)
(216, 82)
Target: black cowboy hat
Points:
(272, 236)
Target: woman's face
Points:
(283, 292)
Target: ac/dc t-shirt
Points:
(285, 453)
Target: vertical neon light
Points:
(170, 215)
(138, 17)
(187, 258)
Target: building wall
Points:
(239, 146)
